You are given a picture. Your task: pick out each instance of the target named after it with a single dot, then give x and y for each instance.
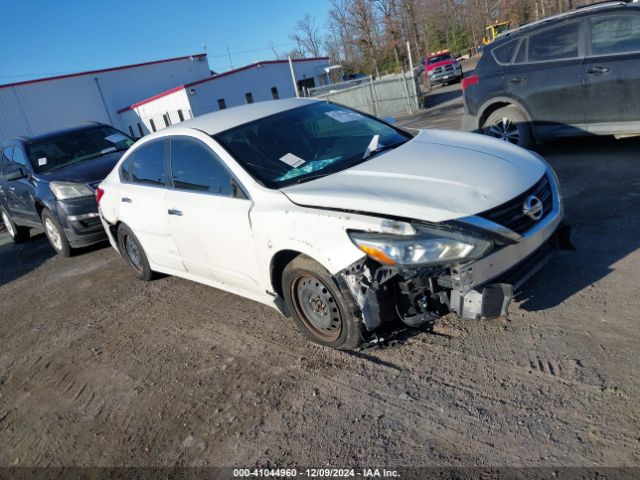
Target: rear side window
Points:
(504, 53)
(613, 34)
(557, 43)
(521, 56)
(194, 166)
(147, 164)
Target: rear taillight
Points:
(99, 194)
(470, 80)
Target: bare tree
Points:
(308, 36)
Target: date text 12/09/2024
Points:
(315, 473)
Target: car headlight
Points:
(427, 247)
(67, 190)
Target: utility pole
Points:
(293, 77)
(229, 54)
(411, 75)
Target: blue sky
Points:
(45, 38)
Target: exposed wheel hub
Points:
(316, 307)
(133, 253)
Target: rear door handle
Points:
(517, 80)
(597, 70)
(173, 211)
(126, 200)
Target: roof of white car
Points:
(215, 122)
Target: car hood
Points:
(438, 175)
(89, 171)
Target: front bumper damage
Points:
(483, 288)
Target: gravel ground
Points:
(97, 368)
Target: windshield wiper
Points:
(83, 159)
(381, 148)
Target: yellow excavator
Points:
(492, 31)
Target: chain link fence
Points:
(391, 95)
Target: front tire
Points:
(55, 233)
(510, 125)
(18, 234)
(319, 308)
(133, 253)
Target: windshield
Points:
(307, 142)
(501, 28)
(439, 58)
(75, 147)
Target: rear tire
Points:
(18, 234)
(322, 312)
(511, 125)
(55, 233)
(133, 254)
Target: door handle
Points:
(173, 211)
(126, 200)
(517, 80)
(597, 70)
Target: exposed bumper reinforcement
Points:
(492, 300)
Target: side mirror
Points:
(390, 119)
(17, 174)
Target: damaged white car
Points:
(339, 220)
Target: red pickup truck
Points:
(442, 67)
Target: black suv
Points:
(573, 74)
(49, 181)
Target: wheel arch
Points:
(277, 265)
(39, 206)
(496, 103)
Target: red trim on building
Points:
(215, 77)
(104, 70)
(151, 99)
(253, 65)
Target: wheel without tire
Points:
(18, 234)
(133, 254)
(55, 233)
(320, 309)
(511, 125)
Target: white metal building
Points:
(257, 82)
(42, 105)
(140, 98)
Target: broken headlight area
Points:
(407, 274)
(416, 296)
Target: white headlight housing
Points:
(67, 190)
(429, 247)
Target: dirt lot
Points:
(97, 368)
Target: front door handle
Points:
(597, 70)
(517, 80)
(126, 200)
(173, 211)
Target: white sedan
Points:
(337, 219)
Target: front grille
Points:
(511, 214)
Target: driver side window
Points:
(195, 167)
